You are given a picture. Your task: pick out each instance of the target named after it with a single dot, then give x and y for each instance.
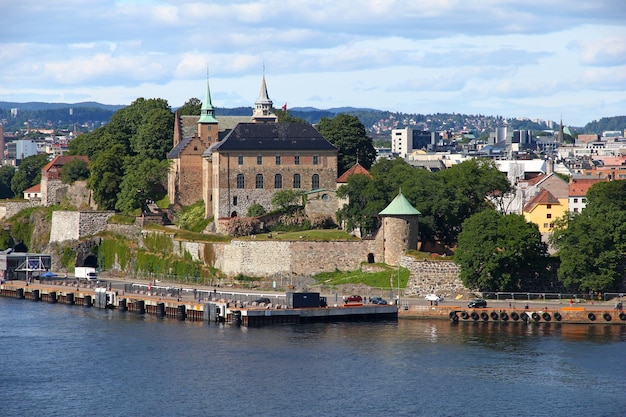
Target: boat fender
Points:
(622, 316)
(494, 315)
(535, 316)
(484, 316)
(464, 315)
(557, 316)
(591, 316)
(474, 315)
(504, 316)
(607, 316)
(515, 316)
(452, 314)
(546, 316)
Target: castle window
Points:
(277, 159)
(315, 182)
(240, 160)
(548, 206)
(259, 160)
(296, 160)
(316, 160)
(241, 182)
(278, 181)
(548, 216)
(259, 180)
(575, 200)
(296, 180)
(235, 201)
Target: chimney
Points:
(177, 133)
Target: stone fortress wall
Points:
(269, 258)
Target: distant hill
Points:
(36, 105)
(91, 114)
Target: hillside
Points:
(90, 115)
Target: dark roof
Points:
(175, 152)
(274, 136)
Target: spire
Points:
(263, 106)
(207, 112)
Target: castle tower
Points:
(207, 124)
(263, 106)
(400, 229)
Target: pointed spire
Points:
(207, 112)
(263, 107)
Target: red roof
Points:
(544, 197)
(355, 169)
(579, 187)
(34, 189)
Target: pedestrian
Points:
(571, 302)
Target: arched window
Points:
(278, 181)
(241, 182)
(315, 182)
(259, 180)
(296, 180)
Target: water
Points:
(60, 360)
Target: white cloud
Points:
(492, 56)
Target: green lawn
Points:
(387, 278)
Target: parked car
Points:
(378, 300)
(477, 303)
(354, 299)
(433, 297)
(263, 300)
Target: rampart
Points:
(74, 225)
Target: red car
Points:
(354, 299)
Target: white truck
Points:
(86, 272)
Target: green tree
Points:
(75, 170)
(28, 173)
(256, 210)
(143, 181)
(285, 117)
(499, 252)
(348, 134)
(107, 172)
(6, 175)
(153, 138)
(191, 107)
(363, 206)
(286, 200)
(591, 245)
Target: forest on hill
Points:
(87, 116)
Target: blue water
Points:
(60, 360)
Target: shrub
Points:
(243, 226)
(256, 210)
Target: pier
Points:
(215, 310)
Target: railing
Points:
(545, 296)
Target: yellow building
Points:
(544, 209)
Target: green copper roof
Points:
(207, 112)
(400, 206)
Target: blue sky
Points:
(528, 58)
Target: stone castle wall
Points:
(74, 225)
(433, 277)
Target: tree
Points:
(499, 252)
(361, 210)
(153, 138)
(286, 199)
(28, 173)
(591, 244)
(191, 107)
(107, 172)
(348, 134)
(6, 175)
(75, 170)
(285, 117)
(143, 181)
(256, 210)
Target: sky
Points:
(540, 59)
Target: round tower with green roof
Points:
(399, 228)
